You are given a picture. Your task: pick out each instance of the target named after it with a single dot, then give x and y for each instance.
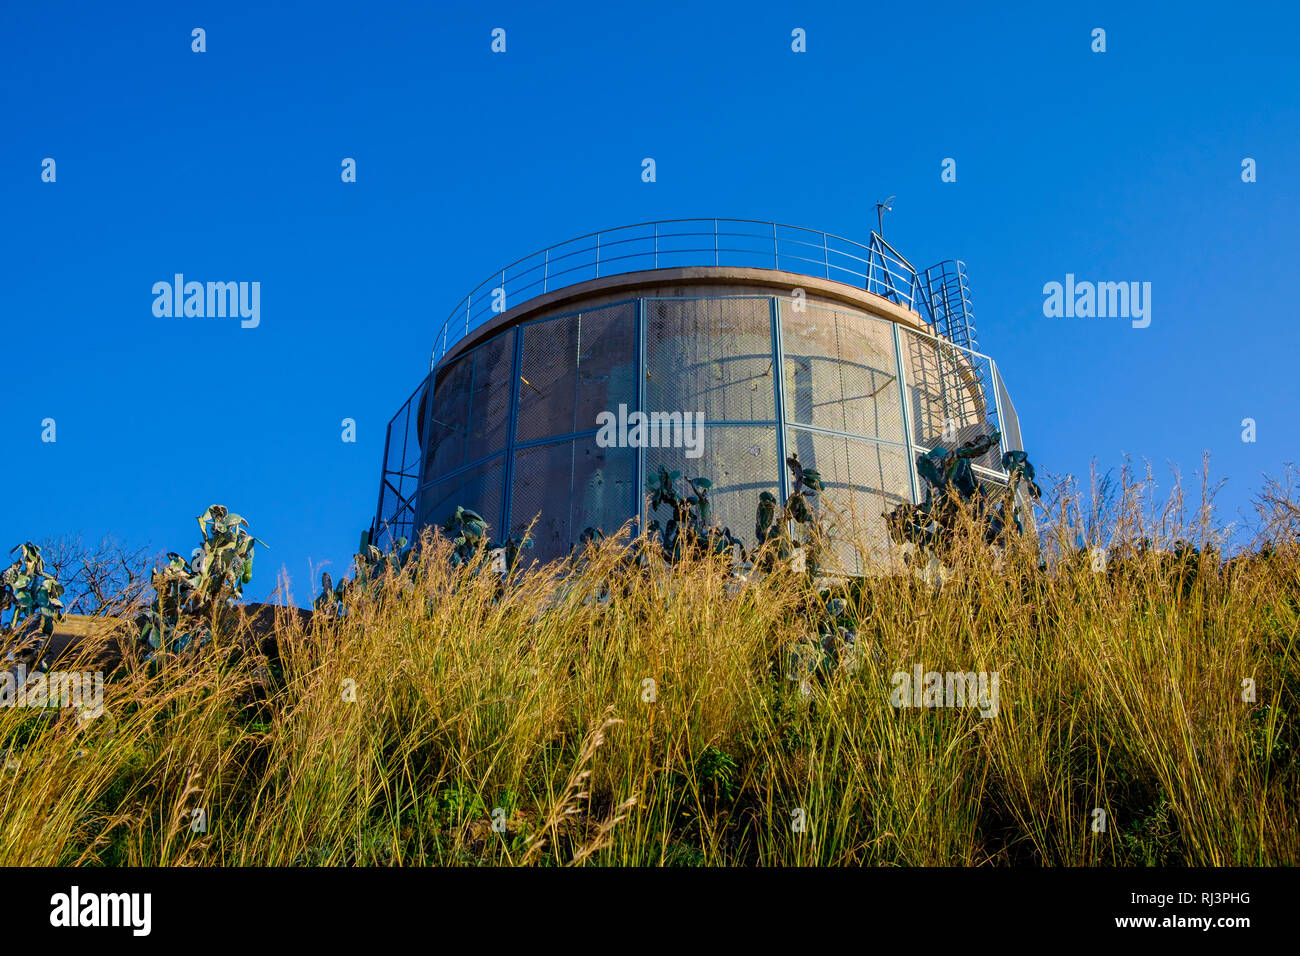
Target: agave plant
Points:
(191, 595)
(29, 593)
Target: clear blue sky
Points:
(225, 166)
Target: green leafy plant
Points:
(718, 776)
(590, 536)
(329, 602)
(370, 566)
(689, 530)
(29, 593)
(833, 646)
(953, 489)
(191, 597)
(772, 524)
(468, 532)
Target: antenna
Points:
(881, 209)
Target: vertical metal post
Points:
(383, 481)
(778, 386)
(638, 470)
(421, 428)
(715, 242)
(516, 369)
(546, 269)
(406, 440)
(426, 395)
(776, 250)
(597, 255)
(826, 256)
(907, 415)
(997, 404)
(656, 245)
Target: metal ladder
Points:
(947, 296)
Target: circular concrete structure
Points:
(528, 415)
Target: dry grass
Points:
(522, 730)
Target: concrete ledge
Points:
(707, 280)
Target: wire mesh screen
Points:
(470, 406)
(489, 398)
(710, 356)
(847, 412)
(543, 485)
(564, 487)
(572, 368)
(478, 488)
(863, 480)
(448, 416)
(841, 372)
(606, 362)
(548, 376)
(949, 393)
(742, 463)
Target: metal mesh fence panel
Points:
(564, 487)
(548, 375)
(742, 463)
(841, 372)
(573, 367)
(543, 488)
(489, 399)
(478, 488)
(469, 411)
(604, 495)
(949, 391)
(401, 476)
(983, 388)
(448, 417)
(863, 480)
(710, 356)
(606, 362)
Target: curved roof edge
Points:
(770, 281)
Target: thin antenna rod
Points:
(881, 207)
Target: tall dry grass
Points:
(602, 717)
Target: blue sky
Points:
(224, 165)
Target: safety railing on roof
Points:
(876, 267)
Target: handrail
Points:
(646, 245)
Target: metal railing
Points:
(876, 267)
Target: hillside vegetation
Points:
(637, 711)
